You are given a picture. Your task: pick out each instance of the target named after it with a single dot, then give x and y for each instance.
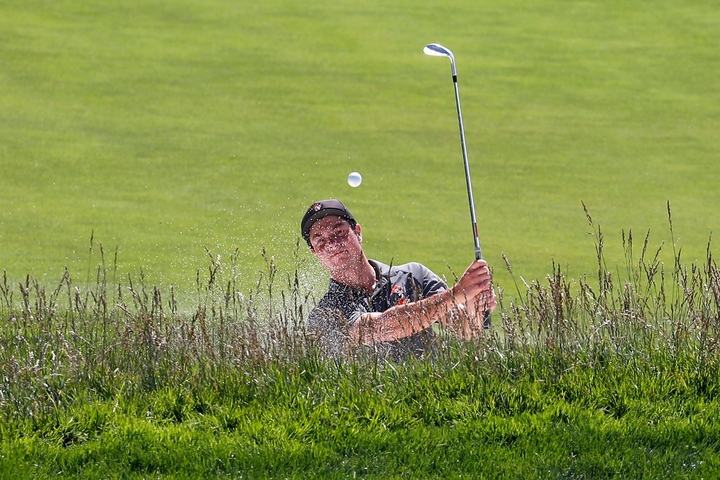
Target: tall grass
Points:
(647, 315)
(133, 338)
(117, 375)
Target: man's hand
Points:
(473, 295)
(475, 286)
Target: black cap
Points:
(322, 209)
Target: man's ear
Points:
(358, 231)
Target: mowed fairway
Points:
(163, 128)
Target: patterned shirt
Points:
(341, 306)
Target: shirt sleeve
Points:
(430, 282)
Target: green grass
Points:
(618, 380)
(420, 422)
(169, 142)
(163, 128)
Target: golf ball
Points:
(354, 179)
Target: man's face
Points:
(335, 243)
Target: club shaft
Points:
(487, 320)
(468, 181)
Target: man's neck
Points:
(361, 276)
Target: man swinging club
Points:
(388, 311)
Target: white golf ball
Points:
(354, 179)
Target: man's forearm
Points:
(402, 321)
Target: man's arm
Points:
(399, 321)
(408, 319)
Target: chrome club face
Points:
(437, 50)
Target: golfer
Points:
(388, 311)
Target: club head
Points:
(437, 50)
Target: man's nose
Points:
(334, 241)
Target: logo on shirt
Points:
(397, 295)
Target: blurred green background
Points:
(163, 128)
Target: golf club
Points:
(437, 50)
